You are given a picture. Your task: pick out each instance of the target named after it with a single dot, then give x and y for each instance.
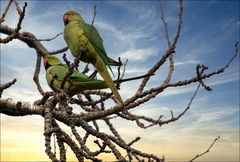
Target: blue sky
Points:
(133, 30)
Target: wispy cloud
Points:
(213, 114)
(138, 54)
(183, 63)
(127, 38)
(24, 89)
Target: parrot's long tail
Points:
(107, 78)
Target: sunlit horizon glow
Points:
(133, 30)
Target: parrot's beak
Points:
(45, 61)
(65, 19)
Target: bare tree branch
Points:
(169, 52)
(17, 29)
(56, 106)
(171, 65)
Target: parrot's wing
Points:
(59, 71)
(93, 36)
(80, 77)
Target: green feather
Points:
(93, 36)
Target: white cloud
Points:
(22, 94)
(213, 113)
(152, 110)
(109, 27)
(39, 24)
(25, 88)
(138, 54)
(184, 63)
(218, 119)
(128, 38)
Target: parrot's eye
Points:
(65, 19)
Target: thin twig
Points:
(154, 123)
(129, 154)
(94, 13)
(19, 10)
(5, 12)
(199, 155)
(165, 24)
(17, 29)
(66, 60)
(118, 76)
(6, 85)
(155, 68)
(86, 69)
(50, 39)
(124, 68)
(90, 103)
(131, 79)
(134, 141)
(169, 52)
(71, 69)
(58, 51)
(171, 65)
(36, 74)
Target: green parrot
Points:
(76, 83)
(78, 34)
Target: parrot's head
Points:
(71, 16)
(50, 60)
